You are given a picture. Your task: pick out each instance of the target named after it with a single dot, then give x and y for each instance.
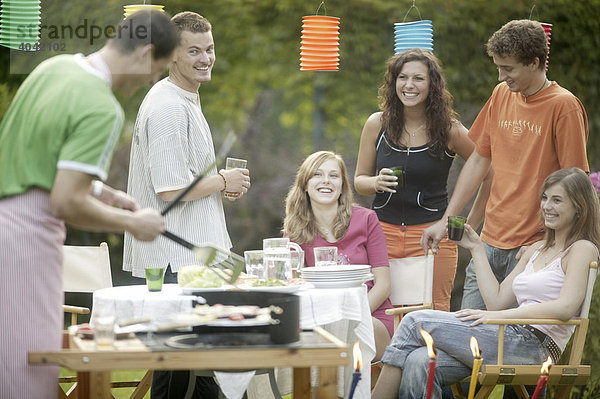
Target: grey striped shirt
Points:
(171, 145)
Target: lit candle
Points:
(431, 353)
(477, 360)
(543, 378)
(357, 365)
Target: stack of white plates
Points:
(341, 276)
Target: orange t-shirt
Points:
(526, 140)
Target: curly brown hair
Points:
(523, 39)
(439, 113)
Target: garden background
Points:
(281, 114)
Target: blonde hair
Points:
(299, 223)
(584, 198)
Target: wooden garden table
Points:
(315, 348)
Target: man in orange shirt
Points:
(529, 128)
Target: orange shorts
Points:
(401, 244)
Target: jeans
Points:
(502, 262)
(452, 338)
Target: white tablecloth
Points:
(343, 311)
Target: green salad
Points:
(270, 282)
(198, 277)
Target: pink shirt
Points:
(363, 244)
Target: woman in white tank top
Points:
(549, 281)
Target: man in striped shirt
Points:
(172, 144)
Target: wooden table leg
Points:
(93, 385)
(83, 385)
(327, 382)
(302, 383)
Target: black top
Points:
(424, 197)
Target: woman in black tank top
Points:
(416, 130)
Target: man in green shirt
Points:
(56, 143)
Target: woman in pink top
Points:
(549, 282)
(320, 212)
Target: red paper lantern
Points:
(548, 29)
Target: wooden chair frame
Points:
(565, 376)
(101, 261)
(420, 301)
(425, 302)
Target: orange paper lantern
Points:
(319, 49)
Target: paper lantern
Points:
(130, 9)
(409, 35)
(319, 50)
(20, 24)
(548, 29)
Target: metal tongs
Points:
(224, 263)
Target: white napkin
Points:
(234, 385)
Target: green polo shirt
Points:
(64, 116)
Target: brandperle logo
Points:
(85, 30)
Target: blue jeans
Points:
(452, 338)
(502, 262)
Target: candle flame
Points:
(357, 356)
(475, 347)
(429, 342)
(546, 366)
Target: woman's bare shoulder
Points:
(373, 125)
(585, 246)
(374, 120)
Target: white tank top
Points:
(531, 287)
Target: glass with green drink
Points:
(456, 227)
(154, 278)
(399, 172)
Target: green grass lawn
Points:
(121, 375)
(127, 375)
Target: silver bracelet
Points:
(97, 186)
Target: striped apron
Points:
(31, 294)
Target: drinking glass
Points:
(104, 329)
(456, 227)
(278, 258)
(154, 278)
(325, 256)
(233, 163)
(399, 172)
(255, 263)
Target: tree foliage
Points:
(281, 114)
